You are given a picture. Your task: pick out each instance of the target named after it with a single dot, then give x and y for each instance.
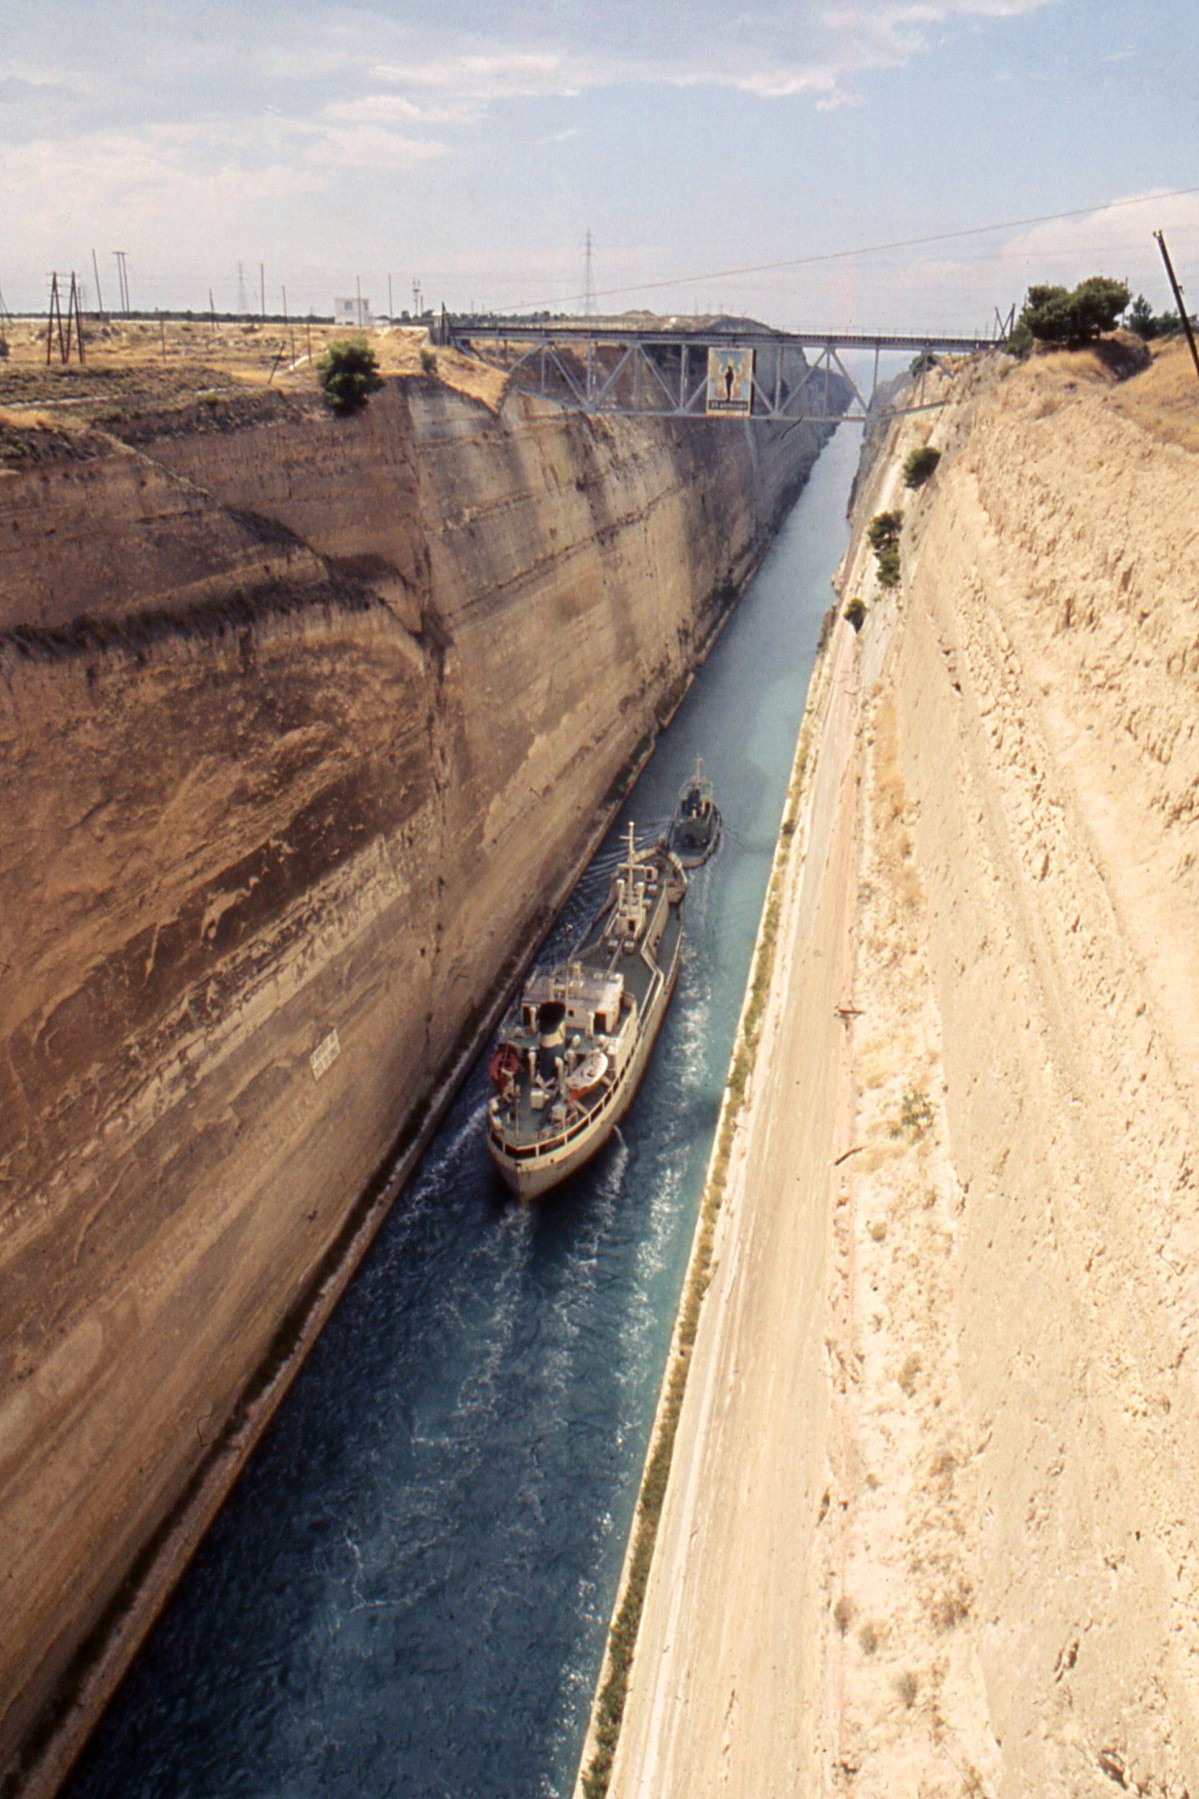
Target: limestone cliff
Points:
(305, 724)
(931, 1519)
(1017, 1579)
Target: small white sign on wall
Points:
(325, 1054)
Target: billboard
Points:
(730, 383)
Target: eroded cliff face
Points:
(304, 725)
(1016, 1581)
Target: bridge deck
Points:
(719, 337)
(660, 371)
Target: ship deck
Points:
(529, 1133)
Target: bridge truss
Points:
(663, 373)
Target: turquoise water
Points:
(408, 1591)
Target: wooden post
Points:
(1178, 301)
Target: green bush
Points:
(920, 465)
(348, 373)
(1020, 342)
(1054, 315)
(1147, 324)
(855, 613)
(1140, 318)
(888, 566)
(884, 529)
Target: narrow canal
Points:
(407, 1594)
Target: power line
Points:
(900, 243)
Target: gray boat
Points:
(571, 1052)
(695, 828)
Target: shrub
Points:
(855, 613)
(888, 566)
(1020, 343)
(1055, 316)
(884, 529)
(348, 373)
(920, 465)
(916, 1114)
(1140, 318)
(428, 360)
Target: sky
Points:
(472, 149)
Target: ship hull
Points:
(537, 1172)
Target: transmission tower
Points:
(589, 306)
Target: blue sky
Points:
(473, 148)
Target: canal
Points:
(408, 1591)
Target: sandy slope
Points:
(931, 1527)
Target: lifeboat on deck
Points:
(586, 1077)
(504, 1066)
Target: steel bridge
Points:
(659, 371)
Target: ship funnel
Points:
(551, 1023)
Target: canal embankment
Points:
(929, 1515)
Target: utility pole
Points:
(1178, 300)
(390, 312)
(123, 279)
(212, 312)
(241, 292)
(589, 307)
(262, 285)
(54, 318)
(416, 296)
(99, 295)
(287, 327)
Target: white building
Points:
(353, 312)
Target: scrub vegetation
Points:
(348, 374)
(1069, 317)
(920, 465)
(882, 534)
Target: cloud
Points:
(369, 147)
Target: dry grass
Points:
(1164, 400)
(179, 357)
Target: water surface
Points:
(407, 1592)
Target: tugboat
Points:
(695, 828)
(572, 1050)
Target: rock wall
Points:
(1025, 1556)
(931, 1521)
(304, 726)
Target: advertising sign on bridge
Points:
(730, 383)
